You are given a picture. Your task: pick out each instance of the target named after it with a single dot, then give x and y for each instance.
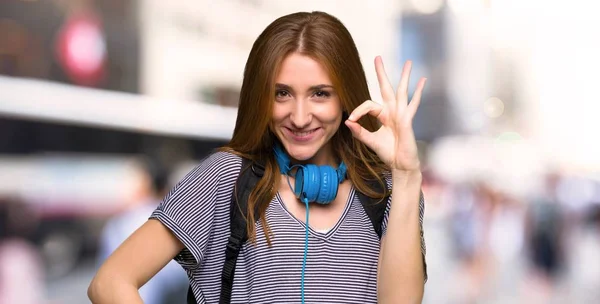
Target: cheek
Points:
(278, 114)
(277, 117)
(333, 114)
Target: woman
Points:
(302, 78)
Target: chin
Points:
(300, 153)
(303, 151)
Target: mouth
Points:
(301, 135)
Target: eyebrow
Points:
(286, 87)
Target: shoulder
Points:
(213, 174)
(221, 160)
(217, 166)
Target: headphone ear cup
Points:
(329, 185)
(311, 182)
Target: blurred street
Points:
(106, 104)
(72, 288)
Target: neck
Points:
(323, 157)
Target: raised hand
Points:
(395, 141)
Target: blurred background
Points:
(105, 104)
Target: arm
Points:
(137, 260)
(401, 272)
(168, 234)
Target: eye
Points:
(282, 94)
(322, 94)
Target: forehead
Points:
(301, 70)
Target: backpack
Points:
(250, 174)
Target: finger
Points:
(387, 91)
(361, 133)
(368, 107)
(404, 80)
(416, 99)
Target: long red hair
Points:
(325, 39)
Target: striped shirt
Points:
(341, 264)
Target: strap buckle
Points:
(234, 245)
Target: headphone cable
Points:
(305, 252)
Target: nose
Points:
(301, 115)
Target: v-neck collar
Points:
(315, 232)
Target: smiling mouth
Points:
(303, 133)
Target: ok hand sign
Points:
(395, 141)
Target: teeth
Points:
(302, 133)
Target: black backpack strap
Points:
(374, 208)
(250, 174)
(191, 299)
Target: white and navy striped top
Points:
(341, 264)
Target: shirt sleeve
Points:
(421, 214)
(189, 210)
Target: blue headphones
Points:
(313, 183)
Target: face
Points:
(307, 111)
